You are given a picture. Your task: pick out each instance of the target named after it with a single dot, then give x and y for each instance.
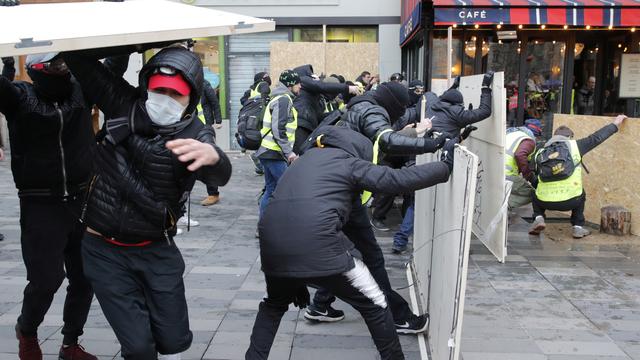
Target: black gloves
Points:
(447, 153)
(456, 83)
(433, 144)
(487, 80)
(302, 298)
(9, 2)
(466, 132)
(8, 61)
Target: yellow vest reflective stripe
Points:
(513, 140)
(366, 195)
(201, 114)
(569, 188)
(255, 92)
(267, 139)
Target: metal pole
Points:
(449, 54)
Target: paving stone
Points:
(579, 348)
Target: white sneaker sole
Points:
(322, 318)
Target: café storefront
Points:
(559, 56)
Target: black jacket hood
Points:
(183, 60)
(354, 143)
(304, 70)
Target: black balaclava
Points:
(452, 96)
(393, 97)
(53, 87)
(413, 97)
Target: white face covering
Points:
(163, 109)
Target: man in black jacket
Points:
(51, 150)
(212, 117)
(372, 115)
(448, 111)
(309, 104)
(306, 241)
(148, 154)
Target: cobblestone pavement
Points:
(549, 301)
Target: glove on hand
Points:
(456, 83)
(302, 298)
(466, 132)
(447, 153)
(8, 61)
(487, 80)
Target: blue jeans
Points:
(401, 238)
(273, 170)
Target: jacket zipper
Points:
(64, 171)
(86, 200)
(172, 222)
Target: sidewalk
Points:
(554, 299)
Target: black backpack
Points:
(554, 162)
(250, 123)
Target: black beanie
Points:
(452, 96)
(393, 97)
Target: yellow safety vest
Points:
(569, 188)
(255, 92)
(513, 140)
(366, 195)
(201, 114)
(267, 139)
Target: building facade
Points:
(558, 56)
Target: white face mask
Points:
(163, 109)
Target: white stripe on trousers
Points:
(361, 279)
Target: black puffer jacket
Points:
(309, 102)
(450, 118)
(140, 186)
(370, 119)
(300, 235)
(51, 135)
(211, 105)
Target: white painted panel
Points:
(84, 25)
(490, 215)
(441, 252)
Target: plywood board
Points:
(84, 25)
(346, 59)
(441, 252)
(614, 166)
(490, 217)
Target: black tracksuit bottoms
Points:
(575, 205)
(358, 230)
(141, 292)
(356, 287)
(50, 238)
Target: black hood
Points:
(184, 61)
(304, 70)
(452, 96)
(340, 137)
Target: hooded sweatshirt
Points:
(301, 230)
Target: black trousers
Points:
(212, 190)
(359, 231)
(141, 292)
(355, 287)
(50, 238)
(575, 205)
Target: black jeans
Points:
(212, 190)
(355, 287)
(51, 237)
(141, 292)
(359, 231)
(575, 205)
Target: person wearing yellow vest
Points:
(261, 87)
(568, 194)
(278, 128)
(519, 149)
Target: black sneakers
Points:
(413, 325)
(379, 225)
(323, 314)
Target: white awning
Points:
(39, 28)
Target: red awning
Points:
(614, 13)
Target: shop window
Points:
(351, 34)
(584, 78)
(211, 52)
(502, 55)
(439, 57)
(612, 104)
(307, 34)
(543, 85)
